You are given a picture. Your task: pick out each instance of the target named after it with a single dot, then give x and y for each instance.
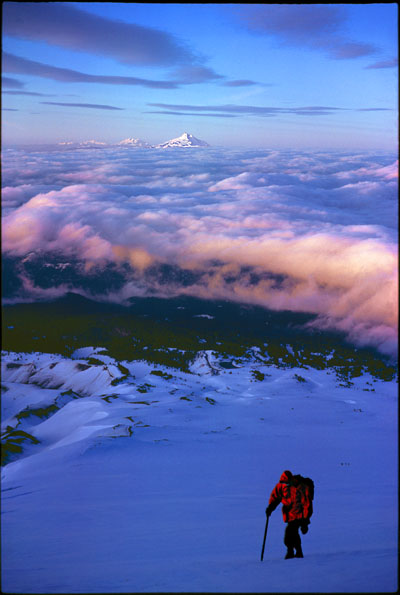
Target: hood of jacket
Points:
(286, 477)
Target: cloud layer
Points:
(312, 232)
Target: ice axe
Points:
(265, 537)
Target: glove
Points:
(268, 510)
(304, 528)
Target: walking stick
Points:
(265, 536)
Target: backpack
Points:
(309, 482)
(307, 496)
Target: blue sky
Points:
(262, 75)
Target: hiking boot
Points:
(289, 554)
(299, 554)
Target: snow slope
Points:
(141, 478)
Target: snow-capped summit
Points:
(185, 140)
(134, 142)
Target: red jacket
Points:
(296, 499)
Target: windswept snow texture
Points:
(131, 477)
(302, 231)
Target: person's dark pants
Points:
(292, 538)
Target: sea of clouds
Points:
(311, 231)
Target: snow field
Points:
(159, 484)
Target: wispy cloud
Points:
(393, 63)
(11, 83)
(346, 50)
(85, 105)
(253, 110)
(185, 75)
(18, 65)
(194, 74)
(248, 109)
(66, 25)
(315, 26)
(374, 109)
(32, 93)
(239, 83)
(175, 113)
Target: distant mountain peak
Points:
(185, 140)
(134, 142)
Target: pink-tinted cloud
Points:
(311, 232)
